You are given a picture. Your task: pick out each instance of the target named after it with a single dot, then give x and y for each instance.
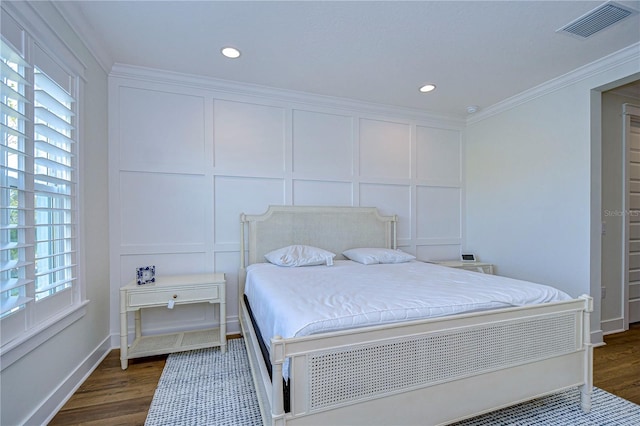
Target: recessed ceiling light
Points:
(428, 88)
(230, 52)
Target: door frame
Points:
(628, 110)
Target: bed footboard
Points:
(436, 371)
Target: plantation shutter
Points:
(38, 214)
(16, 187)
(54, 178)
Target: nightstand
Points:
(485, 268)
(168, 291)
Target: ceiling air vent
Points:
(597, 20)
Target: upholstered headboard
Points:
(331, 228)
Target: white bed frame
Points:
(433, 371)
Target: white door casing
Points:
(631, 240)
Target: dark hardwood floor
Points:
(111, 396)
(616, 366)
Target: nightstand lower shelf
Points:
(174, 342)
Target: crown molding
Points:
(621, 57)
(283, 95)
(71, 13)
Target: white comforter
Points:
(292, 302)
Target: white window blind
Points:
(38, 214)
(54, 187)
(16, 251)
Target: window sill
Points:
(16, 349)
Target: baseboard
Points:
(634, 310)
(56, 400)
(597, 338)
(611, 326)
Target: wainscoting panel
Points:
(390, 199)
(235, 195)
(161, 131)
(385, 149)
(322, 193)
(188, 155)
(441, 212)
(249, 136)
(159, 208)
(322, 144)
(438, 155)
(165, 263)
(438, 252)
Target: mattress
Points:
(300, 301)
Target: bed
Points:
(436, 370)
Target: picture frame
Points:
(146, 275)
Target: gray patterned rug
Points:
(205, 387)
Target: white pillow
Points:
(368, 256)
(300, 255)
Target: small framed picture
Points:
(146, 275)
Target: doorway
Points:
(615, 193)
(631, 184)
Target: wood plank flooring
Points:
(616, 366)
(111, 396)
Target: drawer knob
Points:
(175, 296)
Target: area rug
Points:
(206, 387)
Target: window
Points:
(38, 188)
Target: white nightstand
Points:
(485, 268)
(177, 289)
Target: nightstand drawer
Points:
(485, 268)
(178, 295)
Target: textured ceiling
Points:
(477, 53)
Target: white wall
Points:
(188, 155)
(37, 384)
(533, 182)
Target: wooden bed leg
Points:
(585, 398)
(242, 272)
(242, 276)
(587, 388)
(277, 393)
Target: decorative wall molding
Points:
(628, 54)
(290, 97)
(196, 152)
